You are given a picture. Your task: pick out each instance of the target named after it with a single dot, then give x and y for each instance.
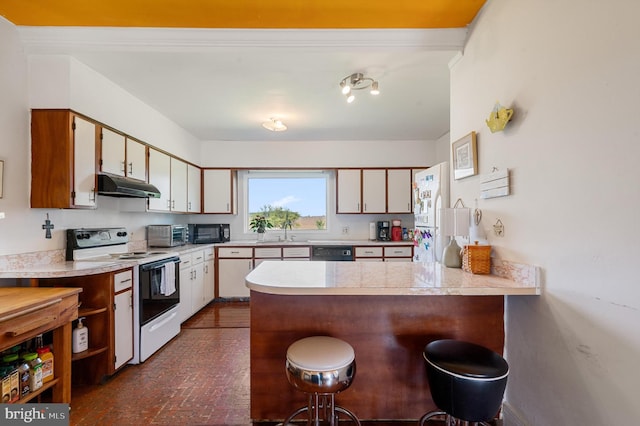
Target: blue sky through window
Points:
(305, 195)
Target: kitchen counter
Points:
(378, 278)
(51, 264)
(387, 311)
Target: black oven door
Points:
(159, 288)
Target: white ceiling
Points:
(222, 84)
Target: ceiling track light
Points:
(274, 125)
(357, 81)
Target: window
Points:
(296, 200)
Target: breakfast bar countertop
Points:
(389, 278)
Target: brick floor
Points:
(199, 378)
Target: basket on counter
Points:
(476, 259)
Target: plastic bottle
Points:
(80, 337)
(35, 370)
(46, 356)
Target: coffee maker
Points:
(384, 231)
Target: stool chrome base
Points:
(322, 409)
(448, 419)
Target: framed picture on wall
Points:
(465, 157)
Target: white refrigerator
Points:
(430, 194)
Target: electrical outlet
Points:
(345, 230)
(1, 215)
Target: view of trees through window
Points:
(291, 200)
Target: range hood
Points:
(118, 186)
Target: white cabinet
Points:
(368, 254)
(192, 293)
(197, 281)
(209, 275)
(219, 188)
(374, 191)
(399, 183)
(185, 287)
(136, 167)
(296, 253)
(123, 317)
(84, 176)
(113, 152)
(387, 253)
(261, 254)
(122, 156)
(178, 185)
(398, 253)
(160, 177)
(234, 263)
(348, 190)
(193, 189)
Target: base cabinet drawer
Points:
(403, 251)
(235, 252)
(297, 252)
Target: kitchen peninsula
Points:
(387, 311)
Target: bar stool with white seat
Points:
(467, 381)
(321, 366)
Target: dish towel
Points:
(168, 280)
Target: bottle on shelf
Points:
(80, 337)
(35, 370)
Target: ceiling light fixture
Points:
(357, 81)
(274, 125)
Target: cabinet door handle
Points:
(189, 205)
(130, 168)
(168, 203)
(122, 166)
(92, 197)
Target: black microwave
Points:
(209, 233)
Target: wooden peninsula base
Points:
(388, 334)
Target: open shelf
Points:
(37, 393)
(89, 352)
(85, 312)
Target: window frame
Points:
(247, 174)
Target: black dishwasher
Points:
(333, 253)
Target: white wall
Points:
(59, 81)
(21, 229)
(318, 153)
(570, 70)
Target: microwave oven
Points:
(167, 235)
(209, 233)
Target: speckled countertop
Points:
(388, 278)
(52, 264)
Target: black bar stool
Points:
(467, 381)
(321, 366)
